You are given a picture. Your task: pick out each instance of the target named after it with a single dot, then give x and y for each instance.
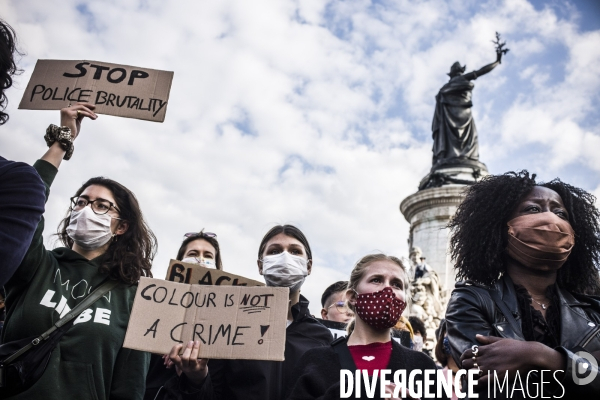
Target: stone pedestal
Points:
(428, 211)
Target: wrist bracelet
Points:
(63, 136)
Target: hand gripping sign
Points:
(120, 90)
(232, 322)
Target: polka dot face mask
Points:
(380, 309)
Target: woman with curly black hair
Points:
(528, 253)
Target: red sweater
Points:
(371, 356)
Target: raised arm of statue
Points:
(484, 70)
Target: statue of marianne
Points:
(454, 131)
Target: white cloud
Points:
(335, 99)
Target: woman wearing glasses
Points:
(105, 237)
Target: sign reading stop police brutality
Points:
(119, 90)
(232, 322)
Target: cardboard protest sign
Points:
(120, 90)
(233, 322)
(195, 274)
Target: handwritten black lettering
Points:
(111, 99)
(123, 102)
(221, 279)
(137, 74)
(103, 94)
(54, 94)
(144, 295)
(35, 91)
(196, 333)
(255, 300)
(156, 291)
(70, 98)
(99, 69)
(211, 299)
(223, 330)
(153, 329)
(206, 279)
(110, 78)
(47, 92)
(141, 107)
(191, 299)
(237, 333)
(172, 295)
(176, 273)
(83, 95)
(162, 104)
(82, 71)
(173, 330)
(228, 300)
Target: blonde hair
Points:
(359, 271)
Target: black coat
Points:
(251, 379)
(472, 311)
(318, 372)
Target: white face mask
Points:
(285, 270)
(88, 229)
(417, 343)
(200, 261)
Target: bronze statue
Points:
(454, 131)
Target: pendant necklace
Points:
(543, 305)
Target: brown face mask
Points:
(542, 239)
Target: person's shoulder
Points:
(470, 288)
(417, 359)
(318, 354)
(9, 168)
(310, 327)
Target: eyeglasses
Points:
(99, 206)
(342, 307)
(200, 234)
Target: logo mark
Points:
(584, 368)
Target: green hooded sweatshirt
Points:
(89, 362)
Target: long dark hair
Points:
(8, 67)
(478, 240)
(130, 255)
(202, 236)
(288, 230)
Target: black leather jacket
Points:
(472, 311)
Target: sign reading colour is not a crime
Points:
(231, 322)
(119, 90)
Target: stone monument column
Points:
(429, 210)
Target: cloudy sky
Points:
(311, 112)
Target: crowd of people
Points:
(527, 254)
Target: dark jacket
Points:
(472, 311)
(252, 379)
(317, 375)
(89, 361)
(22, 201)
